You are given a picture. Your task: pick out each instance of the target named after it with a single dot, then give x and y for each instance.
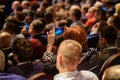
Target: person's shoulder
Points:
(88, 75)
(5, 76)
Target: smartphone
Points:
(27, 26)
(59, 30)
(104, 8)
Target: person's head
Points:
(68, 56)
(14, 20)
(108, 3)
(117, 9)
(2, 61)
(15, 4)
(91, 12)
(36, 27)
(78, 34)
(25, 4)
(20, 16)
(9, 27)
(22, 50)
(84, 8)
(98, 4)
(58, 6)
(108, 35)
(43, 5)
(100, 14)
(75, 14)
(63, 23)
(5, 39)
(49, 17)
(112, 73)
(114, 21)
(51, 9)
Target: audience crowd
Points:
(66, 39)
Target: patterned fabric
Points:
(47, 56)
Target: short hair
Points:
(5, 39)
(37, 25)
(78, 34)
(117, 8)
(71, 51)
(62, 23)
(115, 20)
(98, 4)
(59, 5)
(25, 4)
(92, 9)
(76, 13)
(45, 4)
(109, 33)
(23, 49)
(112, 73)
(48, 16)
(9, 27)
(86, 6)
(2, 61)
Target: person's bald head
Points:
(5, 39)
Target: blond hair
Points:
(117, 7)
(71, 51)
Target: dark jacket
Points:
(90, 61)
(5, 76)
(27, 69)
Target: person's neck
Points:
(68, 69)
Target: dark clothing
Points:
(27, 69)
(90, 61)
(93, 40)
(39, 43)
(38, 49)
(5, 76)
(107, 52)
(42, 37)
(6, 52)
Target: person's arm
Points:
(48, 55)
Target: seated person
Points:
(90, 60)
(37, 38)
(68, 58)
(112, 73)
(5, 41)
(108, 36)
(22, 52)
(6, 76)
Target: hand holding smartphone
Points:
(59, 30)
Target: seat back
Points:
(111, 61)
(41, 76)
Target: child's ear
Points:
(60, 59)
